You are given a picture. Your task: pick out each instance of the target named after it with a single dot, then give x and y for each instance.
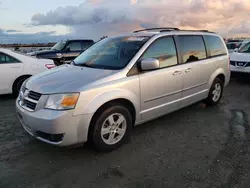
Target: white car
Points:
(235, 45)
(240, 60)
(15, 68)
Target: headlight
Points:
(59, 54)
(21, 90)
(62, 101)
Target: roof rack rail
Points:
(197, 31)
(158, 28)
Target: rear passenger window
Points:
(164, 50)
(2, 58)
(192, 48)
(11, 60)
(7, 59)
(215, 45)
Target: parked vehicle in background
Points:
(64, 51)
(15, 68)
(240, 60)
(123, 81)
(235, 45)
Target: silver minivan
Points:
(121, 82)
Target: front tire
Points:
(110, 128)
(17, 85)
(57, 62)
(215, 92)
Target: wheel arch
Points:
(19, 78)
(219, 73)
(121, 101)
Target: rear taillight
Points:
(50, 66)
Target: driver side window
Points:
(74, 46)
(164, 50)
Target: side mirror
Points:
(236, 49)
(150, 64)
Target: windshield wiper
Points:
(83, 65)
(88, 65)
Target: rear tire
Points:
(110, 127)
(17, 85)
(215, 92)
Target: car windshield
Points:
(59, 46)
(111, 53)
(245, 48)
(232, 46)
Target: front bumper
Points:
(240, 69)
(59, 128)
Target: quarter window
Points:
(215, 45)
(192, 48)
(164, 50)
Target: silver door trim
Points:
(177, 100)
(162, 105)
(192, 87)
(162, 96)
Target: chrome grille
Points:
(30, 104)
(34, 95)
(240, 63)
(29, 99)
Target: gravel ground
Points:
(197, 147)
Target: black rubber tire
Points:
(96, 125)
(209, 100)
(17, 85)
(57, 62)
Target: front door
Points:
(73, 50)
(161, 89)
(10, 68)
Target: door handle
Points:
(177, 73)
(188, 70)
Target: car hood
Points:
(245, 57)
(66, 78)
(43, 52)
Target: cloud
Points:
(10, 36)
(100, 17)
(133, 14)
(13, 31)
(86, 13)
(2, 8)
(95, 18)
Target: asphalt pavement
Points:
(197, 147)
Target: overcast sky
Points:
(51, 20)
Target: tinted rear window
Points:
(215, 45)
(192, 48)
